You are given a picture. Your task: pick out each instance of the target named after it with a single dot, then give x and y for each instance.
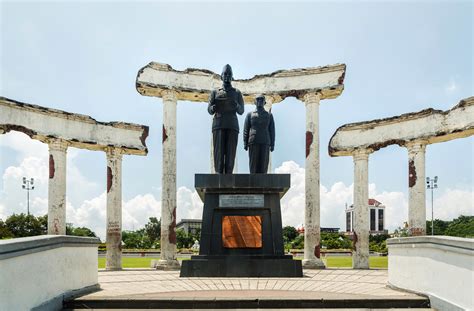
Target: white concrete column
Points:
(268, 107)
(114, 210)
(360, 257)
(213, 169)
(236, 161)
(416, 188)
(57, 187)
(168, 259)
(312, 230)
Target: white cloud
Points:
(396, 210)
(92, 213)
(332, 200)
(189, 204)
(13, 197)
(451, 87)
(23, 145)
(136, 211)
(3, 213)
(451, 204)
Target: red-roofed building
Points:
(376, 214)
(300, 229)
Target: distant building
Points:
(376, 214)
(190, 225)
(300, 229)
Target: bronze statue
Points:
(224, 103)
(259, 137)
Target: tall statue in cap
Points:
(224, 104)
(259, 137)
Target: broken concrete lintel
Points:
(196, 84)
(80, 131)
(429, 125)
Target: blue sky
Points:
(83, 57)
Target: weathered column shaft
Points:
(360, 258)
(57, 187)
(168, 196)
(416, 188)
(268, 107)
(114, 210)
(312, 234)
(213, 169)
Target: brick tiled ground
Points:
(328, 284)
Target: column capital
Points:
(311, 98)
(113, 152)
(416, 145)
(169, 96)
(57, 144)
(361, 154)
(269, 100)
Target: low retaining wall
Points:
(438, 266)
(37, 272)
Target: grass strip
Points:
(331, 262)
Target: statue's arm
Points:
(240, 104)
(211, 108)
(246, 131)
(272, 133)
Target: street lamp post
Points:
(28, 185)
(432, 183)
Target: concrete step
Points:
(391, 309)
(246, 303)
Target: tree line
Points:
(22, 225)
(148, 237)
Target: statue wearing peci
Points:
(259, 137)
(224, 104)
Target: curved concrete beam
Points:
(429, 125)
(80, 131)
(196, 84)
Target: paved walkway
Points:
(325, 284)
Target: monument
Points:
(259, 136)
(224, 103)
(241, 233)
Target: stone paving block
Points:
(340, 282)
(315, 286)
(279, 284)
(244, 284)
(221, 287)
(367, 279)
(270, 284)
(294, 285)
(262, 284)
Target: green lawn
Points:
(346, 262)
(128, 262)
(331, 262)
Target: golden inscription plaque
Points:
(242, 231)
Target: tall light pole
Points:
(28, 185)
(432, 183)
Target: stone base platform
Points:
(241, 233)
(241, 266)
(325, 289)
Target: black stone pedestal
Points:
(252, 248)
